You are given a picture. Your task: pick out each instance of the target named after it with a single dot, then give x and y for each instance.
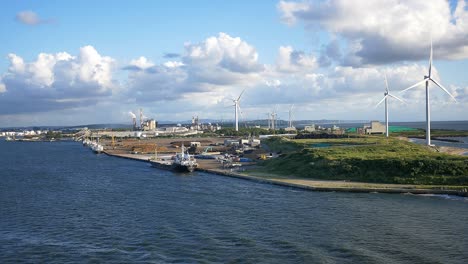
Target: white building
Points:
(375, 128)
(310, 128)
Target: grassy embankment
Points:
(435, 133)
(367, 159)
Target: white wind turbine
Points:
(385, 98)
(290, 116)
(237, 109)
(428, 110)
(274, 115)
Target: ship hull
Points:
(183, 168)
(160, 165)
(172, 166)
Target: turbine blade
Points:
(399, 99)
(414, 85)
(385, 97)
(241, 95)
(241, 114)
(386, 83)
(443, 88)
(430, 60)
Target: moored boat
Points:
(181, 162)
(97, 148)
(162, 164)
(184, 162)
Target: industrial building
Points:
(375, 128)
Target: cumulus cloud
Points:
(204, 78)
(30, 18)
(56, 81)
(2, 88)
(290, 60)
(202, 81)
(378, 32)
(224, 54)
(173, 64)
(215, 64)
(141, 63)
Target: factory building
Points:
(375, 128)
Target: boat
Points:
(96, 147)
(184, 162)
(162, 164)
(86, 142)
(181, 162)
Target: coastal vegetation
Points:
(365, 159)
(53, 135)
(421, 133)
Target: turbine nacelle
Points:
(237, 109)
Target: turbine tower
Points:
(290, 116)
(386, 95)
(237, 110)
(428, 109)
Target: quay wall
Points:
(278, 182)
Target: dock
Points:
(214, 167)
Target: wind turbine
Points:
(386, 95)
(290, 116)
(428, 109)
(268, 119)
(274, 115)
(237, 110)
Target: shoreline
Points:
(318, 185)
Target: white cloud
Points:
(56, 81)
(203, 84)
(290, 60)
(16, 63)
(378, 32)
(29, 18)
(273, 83)
(173, 64)
(207, 76)
(94, 68)
(289, 10)
(223, 53)
(216, 65)
(142, 63)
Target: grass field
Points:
(367, 159)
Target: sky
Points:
(88, 62)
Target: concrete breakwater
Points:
(210, 166)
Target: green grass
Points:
(434, 133)
(367, 159)
(391, 129)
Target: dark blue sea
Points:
(60, 203)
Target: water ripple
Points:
(63, 204)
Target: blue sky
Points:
(103, 59)
(125, 30)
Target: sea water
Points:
(60, 203)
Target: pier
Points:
(214, 167)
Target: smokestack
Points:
(141, 118)
(133, 119)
